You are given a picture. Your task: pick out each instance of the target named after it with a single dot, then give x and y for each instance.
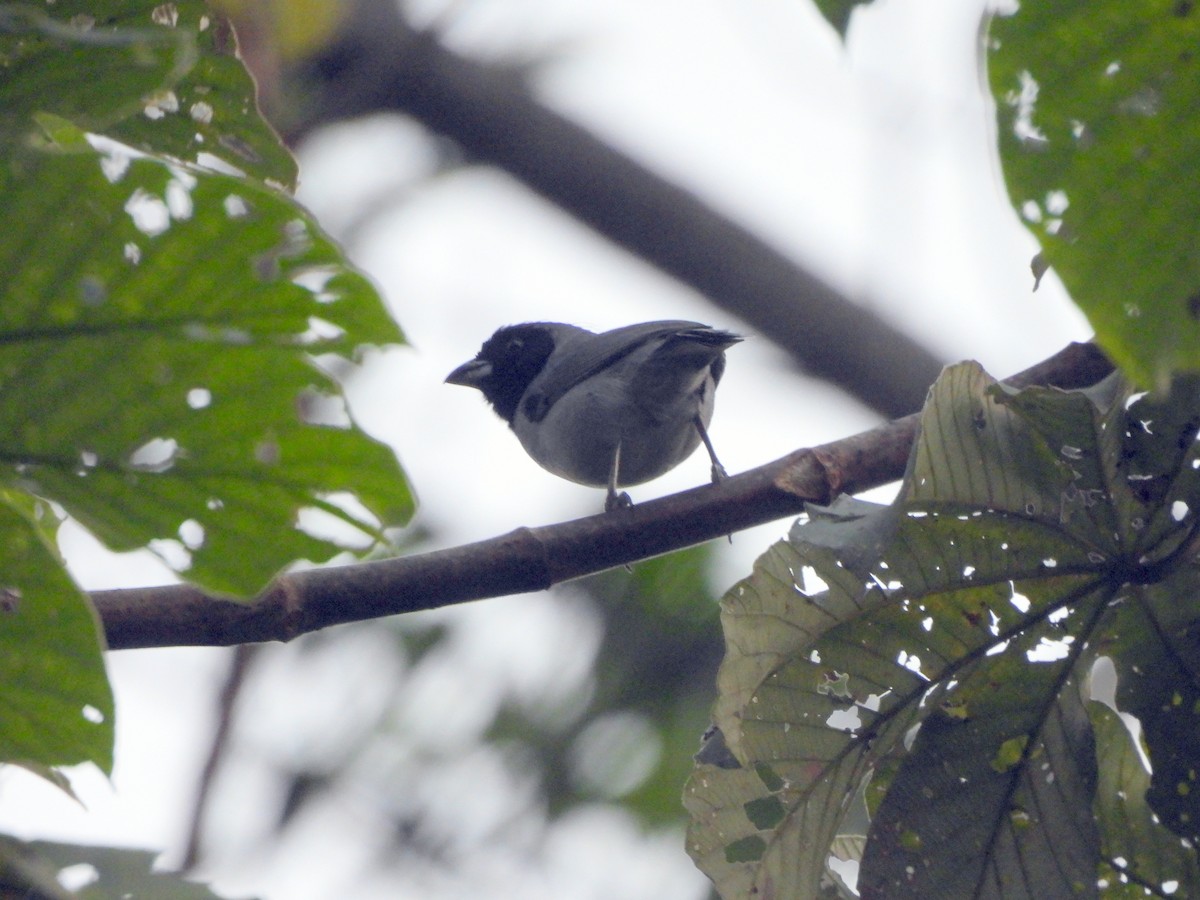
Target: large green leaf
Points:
(791, 718)
(161, 77)
(160, 320)
(995, 798)
(971, 608)
(56, 707)
(1099, 139)
(156, 344)
(172, 327)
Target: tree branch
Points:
(531, 559)
(380, 63)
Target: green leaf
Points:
(157, 342)
(996, 804)
(171, 339)
(171, 336)
(837, 12)
(1138, 852)
(55, 705)
(969, 609)
(793, 721)
(118, 874)
(1155, 646)
(161, 77)
(1099, 138)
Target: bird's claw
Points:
(617, 501)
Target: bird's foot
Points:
(617, 501)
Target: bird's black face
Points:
(505, 365)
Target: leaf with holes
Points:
(172, 332)
(163, 78)
(160, 366)
(1099, 139)
(169, 334)
(1138, 854)
(927, 656)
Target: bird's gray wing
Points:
(593, 354)
(676, 370)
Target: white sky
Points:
(873, 165)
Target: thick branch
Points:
(380, 63)
(531, 559)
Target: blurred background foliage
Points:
(614, 727)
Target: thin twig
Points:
(380, 63)
(239, 664)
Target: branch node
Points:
(808, 476)
(288, 597)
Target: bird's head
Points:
(506, 364)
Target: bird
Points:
(609, 409)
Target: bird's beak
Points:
(470, 374)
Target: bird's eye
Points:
(514, 345)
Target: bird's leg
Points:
(718, 470)
(615, 500)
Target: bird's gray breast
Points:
(576, 437)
